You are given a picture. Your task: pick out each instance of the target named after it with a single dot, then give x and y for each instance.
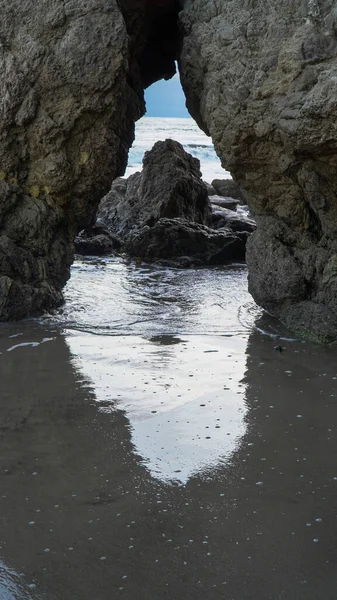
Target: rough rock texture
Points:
(169, 186)
(210, 189)
(261, 77)
(174, 238)
(234, 220)
(71, 86)
(229, 203)
(96, 241)
(162, 213)
(228, 188)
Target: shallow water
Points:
(156, 443)
(113, 297)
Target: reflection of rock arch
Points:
(71, 469)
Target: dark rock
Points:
(260, 78)
(236, 221)
(176, 238)
(96, 241)
(211, 191)
(163, 213)
(282, 284)
(229, 203)
(280, 275)
(108, 206)
(72, 76)
(228, 188)
(19, 271)
(183, 262)
(169, 186)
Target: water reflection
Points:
(184, 401)
(118, 298)
(82, 516)
(13, 587)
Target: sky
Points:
(166, 99)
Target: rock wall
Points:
(261, 77)
(71, 87)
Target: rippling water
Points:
(157, 443)
(158, 355)
(113, 297)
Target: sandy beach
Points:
(166, 466)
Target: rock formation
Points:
(169, 185)
(223, 202)
(228, 188)
(72, 76)
(185, 243)
(96, 241)
(165, 212)
(261, 78)
(236, 220)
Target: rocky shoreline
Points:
(165, 213)
(261, 80)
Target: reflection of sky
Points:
(13, 587)
(185, 402)
(109, 296)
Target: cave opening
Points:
(167, 117)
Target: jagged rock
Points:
(261, 79)
(35, 253)
(175, 238)
(228, 188)
(211, 191)
(72, 76)
(234, 220)
(96, 241)
(229, 203)
(162, 213)
(108, 206)
(169, 185)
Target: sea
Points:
(152, 129)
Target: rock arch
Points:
(72, 76)
(259, 76)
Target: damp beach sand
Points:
(158, 444)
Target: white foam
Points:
(31, 344)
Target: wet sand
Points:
(96, 504)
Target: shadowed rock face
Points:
(262, 79)
(169, 185)
(164, 213)
(72, 76)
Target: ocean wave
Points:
(152, 129)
